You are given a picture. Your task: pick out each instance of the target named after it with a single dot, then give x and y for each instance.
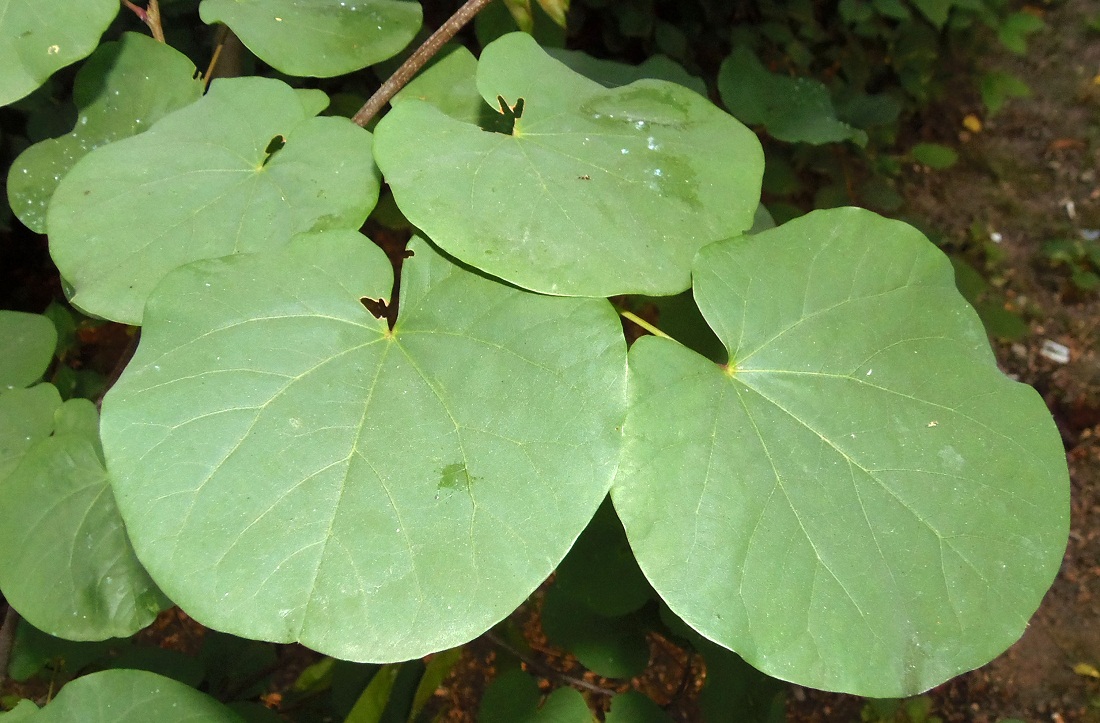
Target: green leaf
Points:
(633, 707)
(968, 280)
(1015, 28)
(38, 37)
(372, 703)
(26, 417)
(121, 90)
(797, 110)
(860, 501)
(450, 85)
(611, 74)
(435, 672)
(556, 9)
(316, 677)
(58, 514)
(895, 9)
(733, 684)
(595, 192)
(762, 221)
(936, 11)
(934, 155)
(499, 18)
(521, 14)
(513, 697)
(998, 88)
(401, 695)
(288, 467)
(1001, 323)
(600, 571)
(34, 650)
(24, 710)
(564, 705)
(206, 181)
(132, 696)
(29, 341)
(348, 681)
(319, 38)
(853, 12)
(610, 647)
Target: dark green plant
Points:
(826, 480)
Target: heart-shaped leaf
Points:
(289, 468)
(38, 37)
(57, 513)
(859, 500)
(121, 90)
(595, 192)
(319, 38)
(243, 169)
(132, 696)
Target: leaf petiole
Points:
(642, 323)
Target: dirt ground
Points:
(1028, 177)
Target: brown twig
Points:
(150, 15)
(220, 40)
(7, 638)
(417, 60)
(546, 670)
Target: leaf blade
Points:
(323, 38)
(917, 522)
(236, 195)
(358, 473)
(596, 192)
